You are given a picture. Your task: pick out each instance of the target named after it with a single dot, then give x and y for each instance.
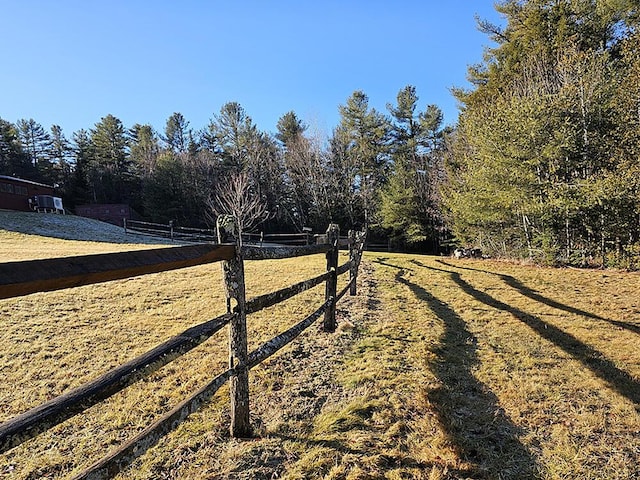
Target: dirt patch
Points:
(302, 380)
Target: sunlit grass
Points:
(56, 341)
(440, 369)
(540, 363)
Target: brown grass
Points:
(440, 369)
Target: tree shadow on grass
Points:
(479, 429)
(532, 294)
(605, 369)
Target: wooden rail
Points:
(119, 458)
(189, 234)
(280, 252)
(169, 230)
(22, 278)
(59, 409)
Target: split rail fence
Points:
(188, 234)
(26, 277)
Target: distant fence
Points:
(169, 230)
(188, 234)
(26, 277)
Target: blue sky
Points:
(72, 62)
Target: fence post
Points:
(353, 259)
(233, 274)
(333, 237)
(124, 224)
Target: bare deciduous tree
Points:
(235, 197)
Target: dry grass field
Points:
(440, 369)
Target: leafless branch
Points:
(235, 197)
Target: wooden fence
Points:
(26, 277)
(169, 230)
(188, 234)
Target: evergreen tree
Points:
(364, 133)
(166, 191)
(83, 154)
(409, 201)
(144, 149)
(60, 158)
(229, 134)
(13, 159)
(290, 128)
(110, 174)
(177, 133)
(530, 158)
(36, 142)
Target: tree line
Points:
(545, 160)
(374, 171)
(543, 163)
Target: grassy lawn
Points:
(440, 369)
(528, 372)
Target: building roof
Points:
(21, 180)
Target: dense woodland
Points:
(545, 160)
(374, 169)
(543, 163)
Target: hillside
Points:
(70, 227)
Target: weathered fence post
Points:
(353, 259)
(233, 274)
(333, 237)
(124, 224)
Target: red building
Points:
(110, 213)
(16, 192)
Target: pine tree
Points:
(110, 173)
(60, 158)
(83, 154)
(166, 190)
(409, 201)
(36, 142)
(144, 149)
(177, 133)
(13, 159)
(290, 128)
(365, 134)
(228, 136)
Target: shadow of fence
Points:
(469, 412)
(619, 380)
